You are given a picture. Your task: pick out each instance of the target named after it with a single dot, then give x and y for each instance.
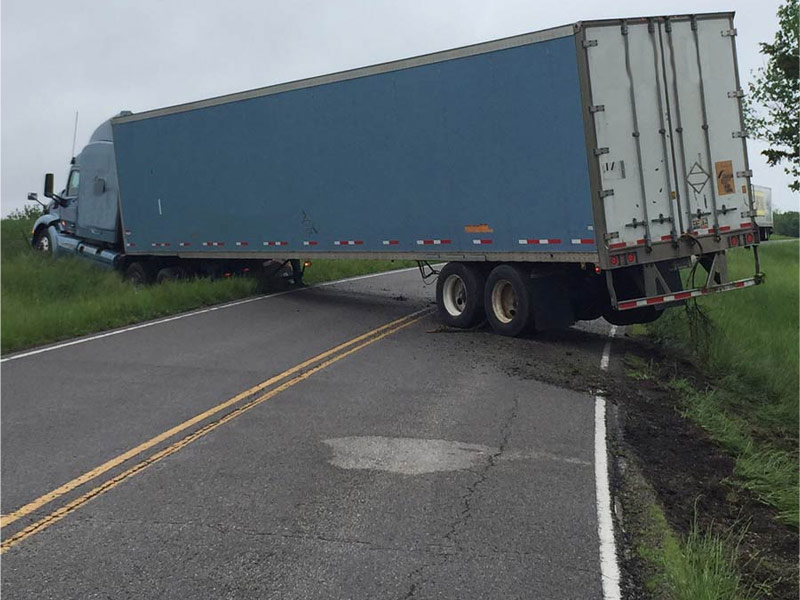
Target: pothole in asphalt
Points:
(408, 456)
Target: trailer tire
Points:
(459, 294)
(170, 274)
(139, 273)
(645, 314)
(508, 300)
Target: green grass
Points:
(750, 349)
(45, 301)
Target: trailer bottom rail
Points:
(686, 294)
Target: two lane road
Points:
(333, 442)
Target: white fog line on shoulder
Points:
(609, 568)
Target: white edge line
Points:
(609, 569)
(193, 313)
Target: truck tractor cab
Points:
(87, 209)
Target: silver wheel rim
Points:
(44, 244)
(504, 301)
(454, 295)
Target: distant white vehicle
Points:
(762, 201)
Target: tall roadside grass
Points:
(44, 301)
(750, 350)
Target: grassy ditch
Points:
(748, 345)
(45, 301)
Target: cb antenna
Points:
(74, 134)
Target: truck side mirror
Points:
(48, 185)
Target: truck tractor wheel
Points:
(170, 274)
(139, 273)
(459, 294)
(43, 242)
(507, 299)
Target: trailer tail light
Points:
(750, 238)
(246, 270)
(734, 240)
(597, 270)
(614, 260)
(227, 274)
(631, 258)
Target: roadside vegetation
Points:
(743, 392)
(748, 342)
(45, 301)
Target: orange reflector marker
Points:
(307, 263)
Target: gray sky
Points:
(99, 57)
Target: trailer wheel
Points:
(459, 294)
(507, 299)
(170, 274)
(139, 273)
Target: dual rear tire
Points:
(465, 295)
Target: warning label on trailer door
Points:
(724, 170)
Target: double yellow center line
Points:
(239, 404)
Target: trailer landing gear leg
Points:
(297, 272)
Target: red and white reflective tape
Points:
(348, 242)
(582, 241)
(131, 244)
(747, 225)
(480, 242)
(276, 243)
(128, 232)
(666, 238)
(665, 298)
(617, 245)
(160, 244)
(542, 241)
(724, 228)
(184, 244)
(432, 242)
(705, 231)
(310, 243)
(391, 242)
(213, 243)
(241, 243)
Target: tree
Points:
(772, 108)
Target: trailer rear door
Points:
(670, 137)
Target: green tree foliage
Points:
(787, 223)
(775, 96)
(26, 213)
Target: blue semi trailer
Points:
(565, 174)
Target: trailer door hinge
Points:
(604, 193)
(739, 134)
(747, 173)
(599, 151)
(597, 108)
(750, 213)
(736, 93)
(612, 235)
(728, 32)
(589, 43)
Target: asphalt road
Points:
(415, 462)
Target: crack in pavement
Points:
(416, 576)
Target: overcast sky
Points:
(102, 56)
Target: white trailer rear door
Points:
(670, 139)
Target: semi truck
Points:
(567, 174)
(762, 200)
